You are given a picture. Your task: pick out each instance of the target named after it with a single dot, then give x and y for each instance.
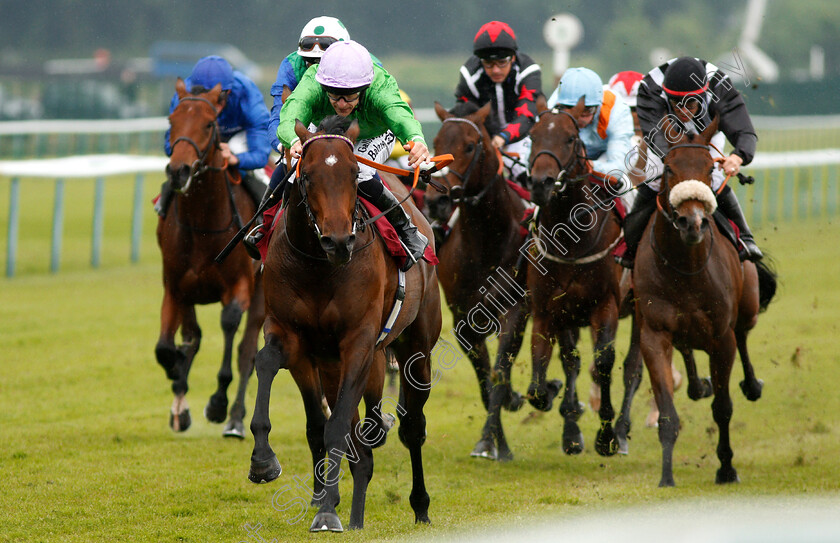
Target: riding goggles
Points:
(309, 42)
(500, 63)
(348, 98)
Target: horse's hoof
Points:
(265, 471)
(216, 409)
(752, 389)
(623, 445)
(700, 388)
(422, 518)
(326, 522)
(504, 455)
(514, 401)
(622, 436)
(234, 428)
(726, 476)
(606, 443)
(181, 422)
(572, 439)
(666, 482)
(485, 448)
(544, 400)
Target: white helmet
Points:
(319, 34)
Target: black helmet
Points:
(686, 76)
(494, 40)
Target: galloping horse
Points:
(330, 288)
(572, 277)
(205, 213)
(483, 246)
(693, 293)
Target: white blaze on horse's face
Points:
(330, 160)
(551, 125)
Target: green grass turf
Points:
(86, 454)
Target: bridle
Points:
(200, 166)
(670, 216)
(561, 182)
(301, 182)
(664, 189)
(478, 153)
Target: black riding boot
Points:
(414, 242)
(634, 223)
(162, 204)
(729, 206)
(259, 192)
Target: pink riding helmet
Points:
(345, 65)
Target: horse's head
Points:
(327, 185)
(557, 152)
(193, 134)
(687, 181)
(463, 135)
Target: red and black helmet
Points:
(686, 76)
(494, 40)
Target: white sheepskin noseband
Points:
(693, 190)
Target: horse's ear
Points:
(217, 97)
(286, 92)
(302, 132)
(180, 88)
(481, 115)
(441, 111)
(542, 104)
(710, 130)
(578, 109)
(353, 131)
(674, 134)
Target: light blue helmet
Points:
(577, 82)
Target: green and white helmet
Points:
(320, 33)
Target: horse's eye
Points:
(210, 125)
(470, 148)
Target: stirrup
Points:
(250, 241)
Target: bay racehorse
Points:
(330, 288)
(572, 277)
(480, 261)
(206, 211)
(692, 292)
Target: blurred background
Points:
(93, 59)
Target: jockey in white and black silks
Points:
(691, 92)
(498, 73)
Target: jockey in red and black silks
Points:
(498, 73)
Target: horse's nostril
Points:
(328, 244)
(351, 240)
(704, 224)
(682, 222)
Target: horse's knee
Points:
(412, 430)
(170, 358)
(269, 360)
(231, 317)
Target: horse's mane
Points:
(462, 109)
(334, 124)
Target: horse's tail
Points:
(767, 282)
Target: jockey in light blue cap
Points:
(606, 123)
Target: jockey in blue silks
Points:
(606, 125)
(243, 123)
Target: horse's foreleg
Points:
(721, 358)
(570, 408)
(493, 444)
(477, 354)
(179, 418)
(356, 362)
(309, 384)
(541, 394)
(657, 350)
(167, 354)
(632, 379)
(264, 465)
(698, 387)
(603, 325)
(361, 467)
(216, 409)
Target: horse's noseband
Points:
(199, 165)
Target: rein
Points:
(200, 167)
(478, 154)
